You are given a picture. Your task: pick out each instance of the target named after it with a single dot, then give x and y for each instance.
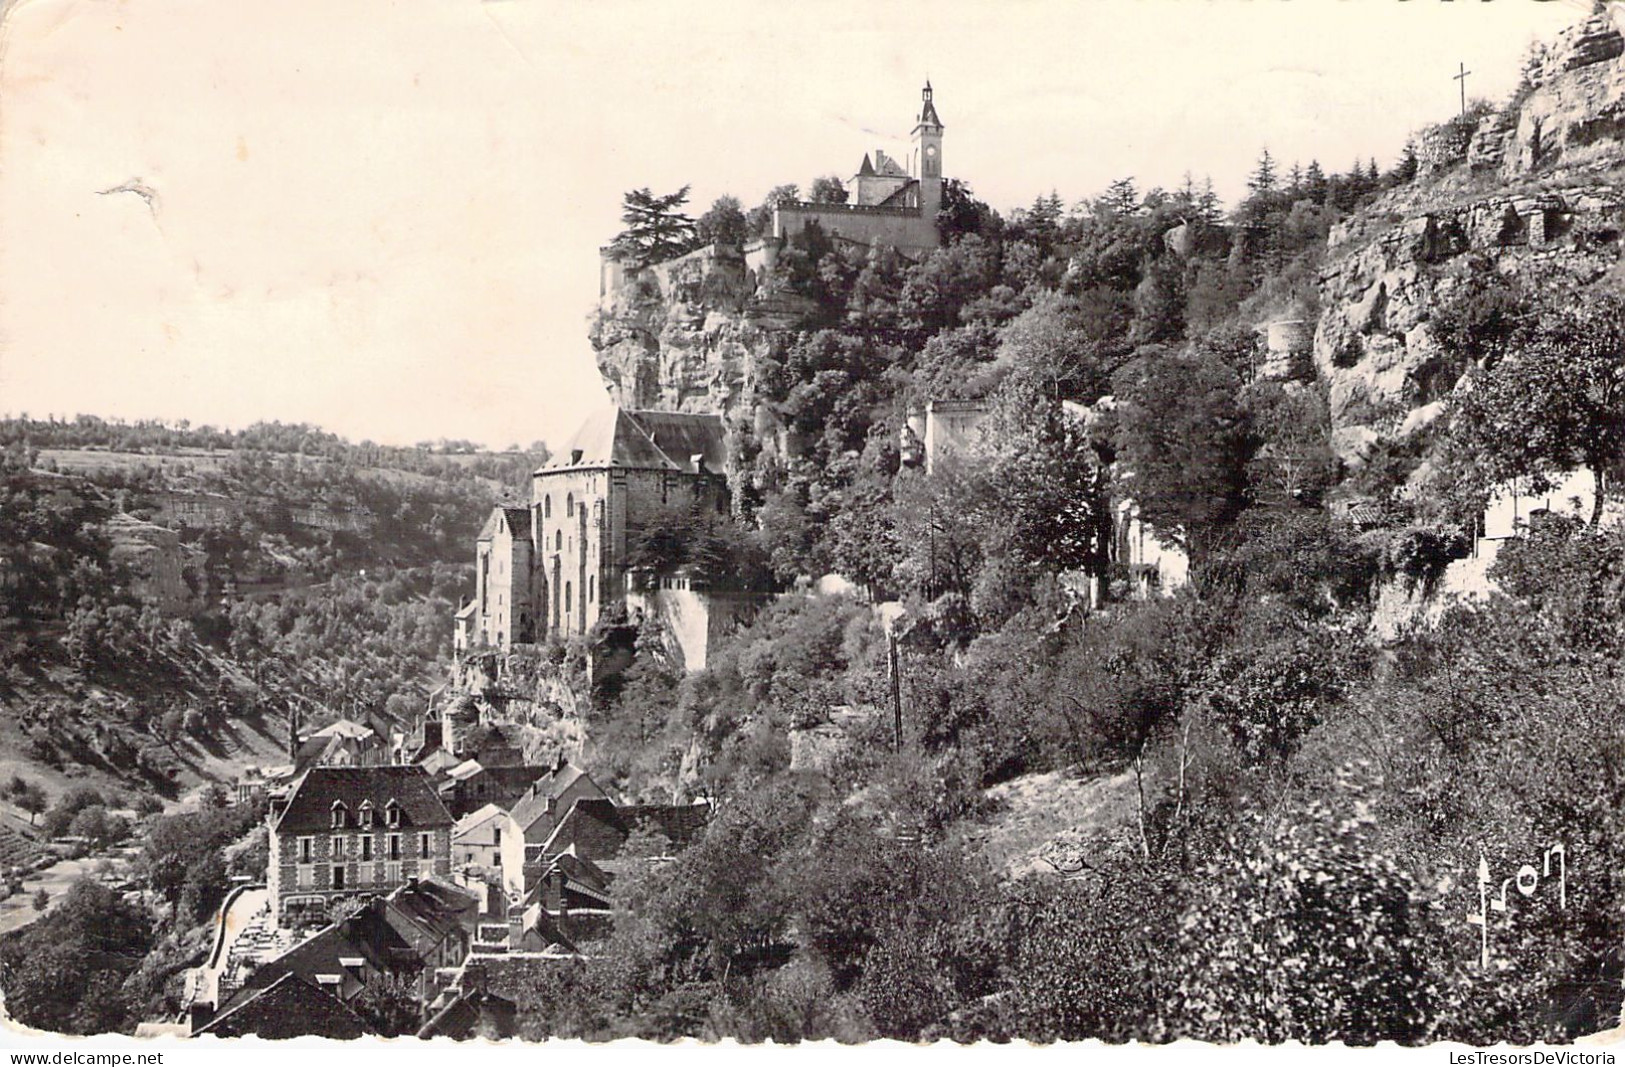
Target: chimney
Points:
(293, 733)
(697, 463)
(575, 457)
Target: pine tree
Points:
(1120, 199)
(1263, 178)
(655, 229)
(1314, 180)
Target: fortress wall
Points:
(903, 228)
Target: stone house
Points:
(505, 598)
(476, 840)
(470, 786)
(347, 831)
(399, 940)
(533, 820)
(291, 1006)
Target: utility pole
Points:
(893, 670)
(1461, 80)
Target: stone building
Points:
(555, 568)
(348, 831)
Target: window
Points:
(394, 873)
(569, 505)
(558, 540)
(338, 877)
(304, 850)
(591, 587)
(379, 873)
(306, 878)
(394, 846)
(425, 845)
(366, 815)
(392, 813)
(366, 848)
(337, 850)
(567, 598)
(547, 506)
(338, 813)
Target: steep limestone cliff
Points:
(686, 335)
(1536, 184)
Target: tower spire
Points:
(928, 110)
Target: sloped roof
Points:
(928, 110)
(679, 823)
(437, 761)
(466, 769)
(642, 440)
(899, 197)
(477, 1014)
(424, 914)
(681, 434)
(533, 807)
(310, 807)
(868, 168)
(289, 1007)
(516, 519)
(345, 728)
(593, 822)
(472, 821)
(609, 438)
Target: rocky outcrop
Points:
(1373, 347)
(1530, 187)
(686, 335)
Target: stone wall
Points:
(906, 229)
(693, 618)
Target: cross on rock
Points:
(1461, 79)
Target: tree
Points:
(1120, 200)
(29, 797)
(1305, 932)
(723, 224)
(760, 218)
(1555, 403)
(827, 190)
(1263, 179)
(1185, 445)
(656, 230)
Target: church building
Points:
(889, 203)
(556, 566)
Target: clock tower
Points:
(928, 154)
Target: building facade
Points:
(343, 832)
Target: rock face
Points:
(685, 335)
(1533, 187)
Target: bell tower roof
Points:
(928, 110)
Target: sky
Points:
(383, 216)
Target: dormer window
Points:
(392, 813)
(366, 814)
(339, 813)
